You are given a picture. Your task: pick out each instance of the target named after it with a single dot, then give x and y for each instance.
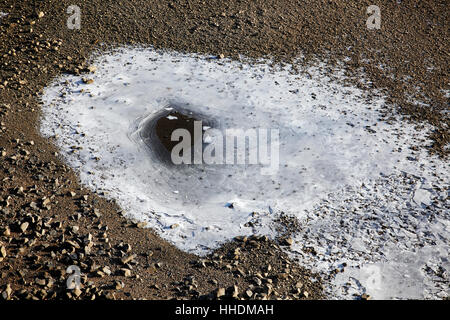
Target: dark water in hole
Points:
(166, 125)
(157, 131)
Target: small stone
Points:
(3, 252)
(365, 296)
(77, 292)
(73, 244)
(240, 272)
(288, 242)
(126, 272)
(220, 292)
(99, 273)
(106, 270)
(249, 293)
(97, 213)
(46, 202)
(155, 286)
(41, 14)
(7, 293)
(234, 291)
(24, 226)
(118, 285)
(110, 296)
(141, 225)
(87, 81)
(241, 238)
(129, 258)
(267, 289)
(283, 276)
(92, 69)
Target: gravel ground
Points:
(48, 221)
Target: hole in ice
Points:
(157, 130)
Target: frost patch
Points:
(363, 197)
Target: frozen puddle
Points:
(368, 206)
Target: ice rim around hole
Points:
(147, 130)
(368, 205)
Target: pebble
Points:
(126, 272)
(129, 258)
(92, 69)
(87, 81)
(77, 292)
(34, 206)
(7, 292)
(118, 285)
(141, 225)
(365, 296)
(234, 291)
(107, 270)
(24, 226)
(220, 292)
(46, 202)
